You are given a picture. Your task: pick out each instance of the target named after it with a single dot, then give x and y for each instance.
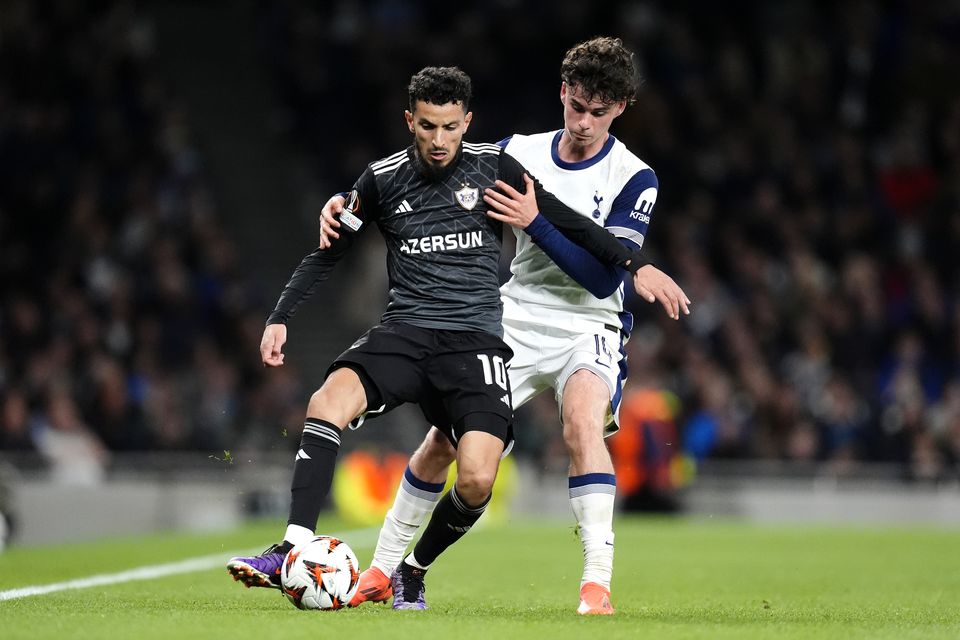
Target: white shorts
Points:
(544, 357)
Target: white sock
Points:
(296, 534)
(415, 501)
(591, 497)
(413, 562)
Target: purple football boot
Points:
(262, 570)
(408, 587)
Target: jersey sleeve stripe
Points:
(478, 149)
(389, 167)
(627, 234)
(389, 159)
(480, 152)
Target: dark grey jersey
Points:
(443, 250)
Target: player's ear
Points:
(563, 92)
(621, 106)
(467, 119)
(409, 118)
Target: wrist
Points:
(637, 262)
(537, 227)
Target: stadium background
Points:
(162, 165)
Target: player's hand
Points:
(653, 284)
(328, 220)
(271, 345)
(516, 209)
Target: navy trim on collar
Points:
(583, 164)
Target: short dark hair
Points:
(440, 85)
(604, 69)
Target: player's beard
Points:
(433, 172)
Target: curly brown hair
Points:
(603, 68)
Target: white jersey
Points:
(615, 189)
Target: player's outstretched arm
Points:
(653, 285)
(313, 269)
(316, 265)
(271, 345)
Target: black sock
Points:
(313, 471)
(451, 519)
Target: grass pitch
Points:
(673, 579)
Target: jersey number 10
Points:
(494, 370)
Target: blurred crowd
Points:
(126, 320)
(809, 163)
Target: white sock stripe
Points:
(321, 428)
(577, 492)
(335, 440)
(422, 494)
(322, 431)
(457, 502)
(321, 425)
(462, 506)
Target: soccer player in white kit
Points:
(563, 313)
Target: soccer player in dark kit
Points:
(563, 314)
(439, 206)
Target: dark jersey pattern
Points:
(443, 250)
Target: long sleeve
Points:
(317, 265)
(598, 278)
(571, 224)
(313, 269)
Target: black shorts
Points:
(458, 378)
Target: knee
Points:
(322, 400)
(337, 403)
(437, 449)
(475, 485)
(432, 458)
(580, 435)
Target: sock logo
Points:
(302, 455)
(458, 529)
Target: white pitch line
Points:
(358, 538)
